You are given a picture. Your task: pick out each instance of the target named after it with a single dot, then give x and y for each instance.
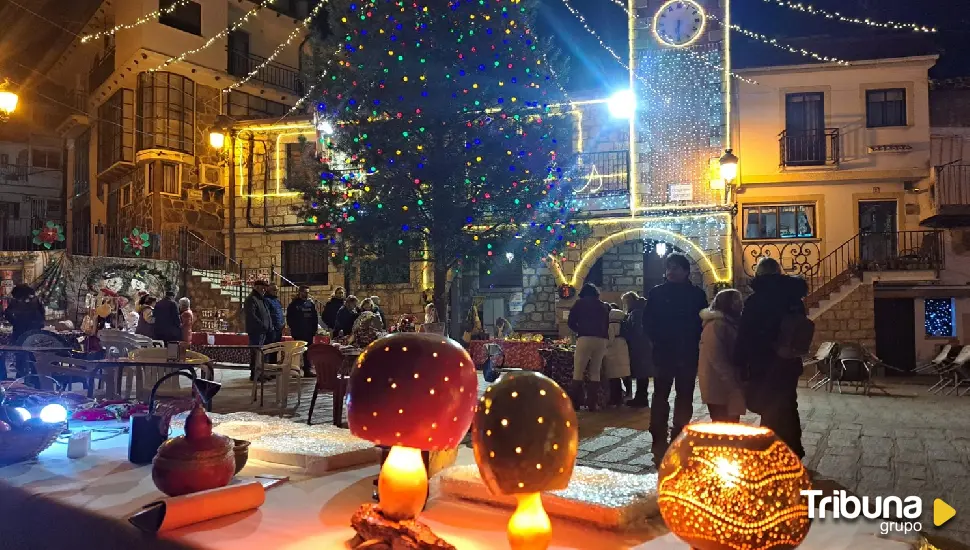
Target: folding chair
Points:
(822, 361)
(934, 362)
(949, 371)
(852, 367)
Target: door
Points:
(805, 129)
(239, 53)
(877, 233)
(896, 332)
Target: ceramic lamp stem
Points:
(529, 528)
(403, 484)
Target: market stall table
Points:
(519, 354)
(312, 513)
(558, 365)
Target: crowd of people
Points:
(731, 347)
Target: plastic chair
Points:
(852, 367)
(822, 361)
(50, 366)
(287, 363)
(146, 377)
(935, 362)
(328, 362)
(949, 371)
(119, 343)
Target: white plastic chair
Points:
(146, 377)
(287, 363)
(118, 343)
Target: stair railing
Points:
(832, 271)
(198, 255)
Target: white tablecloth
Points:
(314, 513)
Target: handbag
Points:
(795, 334)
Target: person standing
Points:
(26, 313)
(187, 317)
(259, 323)
(616, 364)
(641, 351)
(330, 309)
(275, 313)
(302, 318)
(717, 377)
(430, 314)
(772, 380)
(346, 317)
(168, 323)
(589, 318)
(674, 325)
(378, 311)
(146, 316)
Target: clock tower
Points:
(680, 128)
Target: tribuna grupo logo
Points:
(898, 514)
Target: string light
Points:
(782, 46)
(279, 48)
(148, 17)
(808, 8)
(239, 23)
(718, 67)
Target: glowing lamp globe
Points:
(8, 102)
(525, 439)
(733, 487)
(412, 392)
(217, 139)
(622, 104)
(53, 413)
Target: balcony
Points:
(104, 65)
(13, 174)
(950, 197)
(18, 234)
(602, 181)
(277, 75)
(810, 148)
(76, 119)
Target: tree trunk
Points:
(440, 295)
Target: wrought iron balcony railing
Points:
(810, 147)
(274, 74)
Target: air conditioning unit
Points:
(210, 175)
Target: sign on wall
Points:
(516, 302)
(681, 192)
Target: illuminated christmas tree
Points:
(445, 136)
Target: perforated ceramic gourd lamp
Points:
(525, 439)
(412, 392)
(733, 487)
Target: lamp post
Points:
(217, 140)
(8, 103)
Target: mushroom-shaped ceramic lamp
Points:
(525, 439)
(733, 487)
(412, 392)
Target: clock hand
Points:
(677, 29)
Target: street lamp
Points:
(729, 166)
(8, 103)
(217, 134)
(622, 104)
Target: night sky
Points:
(591, 67)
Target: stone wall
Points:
(850, 320)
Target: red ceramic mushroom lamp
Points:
(413, 392)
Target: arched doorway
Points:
(636, 265)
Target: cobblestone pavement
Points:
(905, 443)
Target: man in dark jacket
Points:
(301, 316)
(346, 317)
(168, 321)
(26, 313)
(275, 313)
(772, 380)
(259, 324)
(673, 322)
(330, 309)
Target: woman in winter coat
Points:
(641, 350)
(146, 316)
(330, 309)
(589, 318)
(616, 365)
(719, 382)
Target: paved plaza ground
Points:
(902, 441)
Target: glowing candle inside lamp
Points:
(529, 528)
(403, 483)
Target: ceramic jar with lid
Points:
(197, 461)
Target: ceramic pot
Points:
(197, 461)
(241, 451)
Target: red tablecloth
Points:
(520, 355)
(235, 339)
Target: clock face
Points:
(679, 23)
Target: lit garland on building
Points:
(449, 115)
(808, 8)
(147, 18)
(224, 32)
(782, 46)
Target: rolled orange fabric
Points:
(173, 513)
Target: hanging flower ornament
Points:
(48, 235)
(136, 242)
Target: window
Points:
(886, 108)
(54, 209)
(9, 209)
(115, 136)
(243, 105)
(793, 221)
(46, 158)
(391, 267)
(503, 272)
(164, 177)
(940, 319)
(167, 112)
(295, 173)
(125, 193)
(306, 262)
(82, 164)
(186, 17)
